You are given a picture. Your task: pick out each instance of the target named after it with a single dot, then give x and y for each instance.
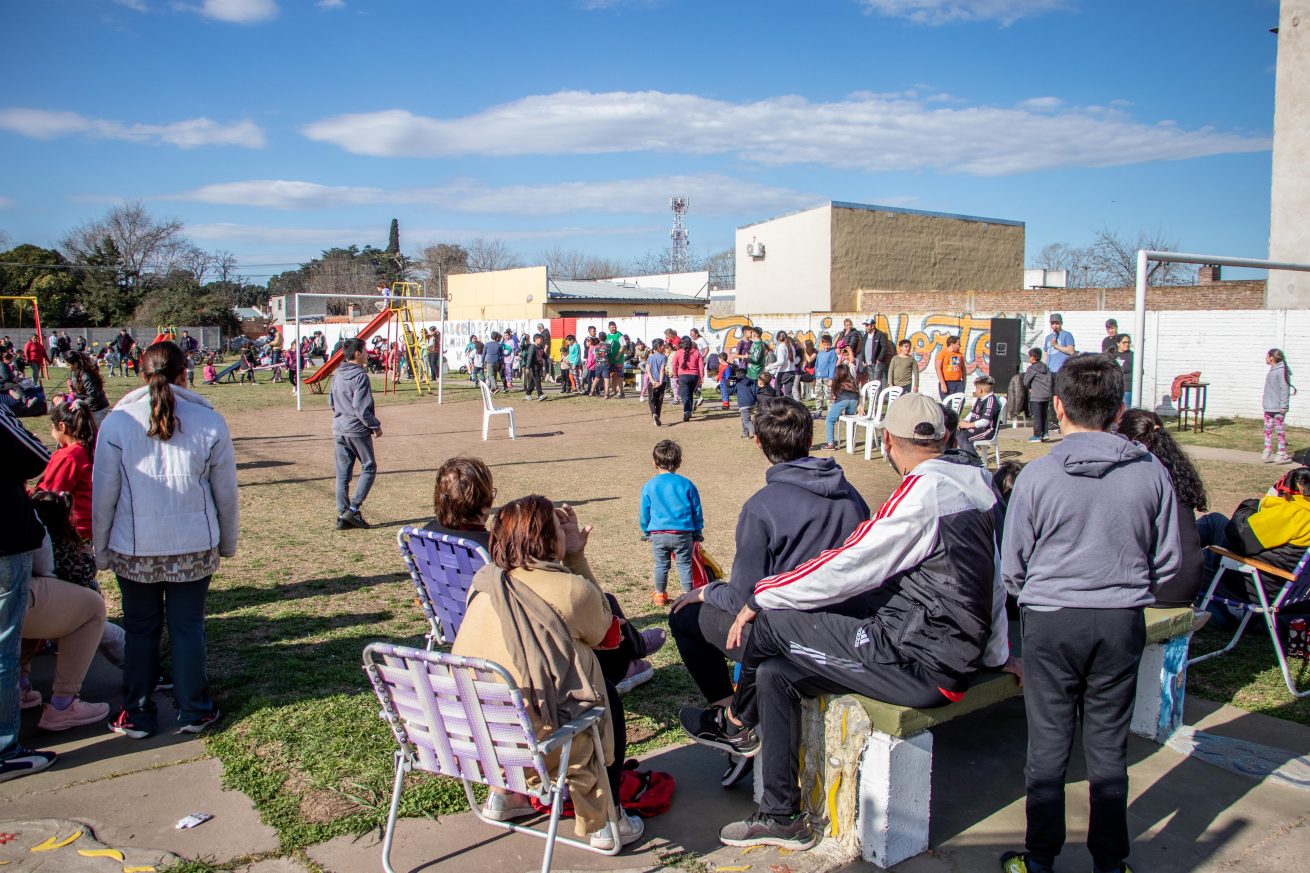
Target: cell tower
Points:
(681, 248)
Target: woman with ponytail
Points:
(86, 383)
(164, 512)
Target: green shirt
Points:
(755, 359)
(616, 348)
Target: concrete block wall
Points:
(1215, 295)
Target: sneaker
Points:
(1034, 439)
(1019, 862)
(792, 832)
(639, 673)
(738, 769)
(507, 807)
(124, 724)
(25, 763)
(631, 829)
(1266, 456)
(353, 518)
(660, 598)
(76, 714)
(1282, 458)
(829, 447)
(202, 724)
(653, 640)
(726, 405)
(165, 683)
(29, 698)
(710, 727)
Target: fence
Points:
(208, 337)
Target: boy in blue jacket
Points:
(671, 518)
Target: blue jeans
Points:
(145, 606)
(836, 411)
(348, 450)
(15, 577)
(680, 544)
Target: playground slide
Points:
(335, 361)
(163, 336)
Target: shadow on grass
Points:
(231, 598)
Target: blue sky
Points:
(277, 128)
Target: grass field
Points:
(291, 613)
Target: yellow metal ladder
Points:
(403, 307)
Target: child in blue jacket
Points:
(671, 518)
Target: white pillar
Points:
(895, 795)
(1139, 331)
(1289, 233)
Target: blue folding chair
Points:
(441, 567)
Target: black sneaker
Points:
(710, 728)
(126, 725)
(25, 763)
(202, 724)
(739, 768)
(352, 518)
(784, 832)
(342, 524)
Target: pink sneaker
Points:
(78, 713)
(29, 698)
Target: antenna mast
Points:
(681, 248)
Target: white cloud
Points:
(134, 5)
(325, 237)
(191, 133)
(937, 12)
(712, 194)
(1042, 104)
(874, 132)
(331, 4)
(239, 11)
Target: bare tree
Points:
(438, 261)
(225, 266)
(564, 263)
(485, 255)
(1073, 260)
(340, 271)
(1112, 260)
(195, 262)
(143, 244)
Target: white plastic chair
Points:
(872, 422)
(994, 442)
(489, 409)
(955, 401)
(868, 394)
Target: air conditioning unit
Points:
(755, 249)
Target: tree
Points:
(576, 264)
(107, 295)
(53, 285)
(393, 238)
(225, 266)
(485, 255)
(141, 243)
(438, 261)
(1113, 260)
(183, 303)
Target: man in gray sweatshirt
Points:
(1089, 534)
(353, 427)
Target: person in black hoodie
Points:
(20, 535)
(805, 507)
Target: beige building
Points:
(820, 259)
(528, 293)
(1289, 232)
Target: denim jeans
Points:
(680, 544)
(145, 607)
(836, 411)
(15, 577)
(348, 450)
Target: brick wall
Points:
(1217, 295)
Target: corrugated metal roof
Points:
(575, 289)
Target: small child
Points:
(825, 366)
(670, 517)
(1277, 399)
(211, 373)
(764, 386)
(1040, 382)
(950, 368)
(903, 370)
(1094, 496)
(73, 427)
(982, 420)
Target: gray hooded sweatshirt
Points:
(351, 401)
(1093, 525)
(1278, 393)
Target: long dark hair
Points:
(54, 509)
(75, 417)
(1145, 427)
(846, 379)
(80, 363)
(161, 365)
(1280, 358)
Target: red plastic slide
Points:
(335, 361)
(166, 335)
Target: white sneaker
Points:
(506, 807)
(639, 673)
(1266, 455)
(631, 829)
(1283, 458)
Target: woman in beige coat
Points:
(537, 610)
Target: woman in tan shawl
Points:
(537, 611)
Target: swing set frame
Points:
(36, 317)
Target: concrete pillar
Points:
(1161, 689)
(895, 794)
(1289, 232)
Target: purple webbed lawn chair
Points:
(466, 718)
(441, 567)
(1295, 590)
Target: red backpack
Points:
(645, 793)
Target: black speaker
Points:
(1005, 352)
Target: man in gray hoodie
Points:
(353, 427)
(1095, 495)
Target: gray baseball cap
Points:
(915, 417)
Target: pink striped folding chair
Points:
(442, 568)
(466, 718)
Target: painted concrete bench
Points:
(866, 766)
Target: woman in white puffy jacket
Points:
(164, 510)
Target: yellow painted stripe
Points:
(50, 845)
(101, 853)
(834, 826)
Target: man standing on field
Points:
(353, 427)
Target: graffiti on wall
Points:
(927, 333)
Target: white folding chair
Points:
(1295, 590)
(868, 394)
(994, 442)
(489, 409)
(955, 401)
(872, 423)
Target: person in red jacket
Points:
(69, 471)
(35, 354)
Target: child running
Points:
(1277, 399)
(1095, 495)
(671, 517)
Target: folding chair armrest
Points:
(1262, 566)
(569, 730)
